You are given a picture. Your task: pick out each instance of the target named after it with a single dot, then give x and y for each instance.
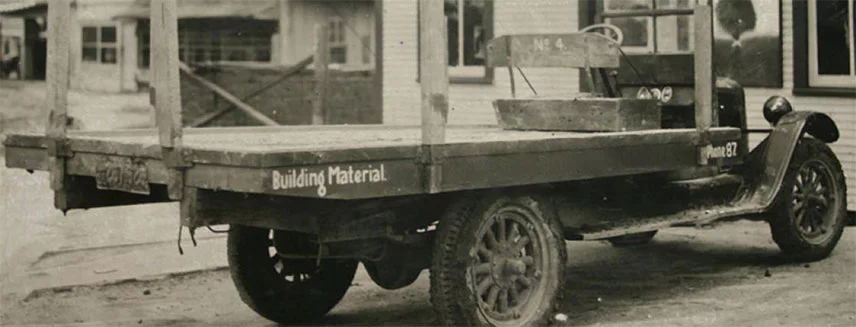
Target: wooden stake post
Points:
(322, 74)
(435, 88)
(166, 90)
(705, 80)
(59, 47)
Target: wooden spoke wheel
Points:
(810, 212)
(280, 288)
(498, 261)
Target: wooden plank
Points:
(705, 83)
(580, 50)
(322, 74)
(235, 101)
(588, 115)
(164, 59)
(435, 78)
(59, 47)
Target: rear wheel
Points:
(285, 290)
(497, 261)
(810, 211)
(632, 239)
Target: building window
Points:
(336, 38)
(644, 32)
(470, 26)
(99, 44)
(216, 40)
(831, 54)
(823, 48)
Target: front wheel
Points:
(278, 286)
(498, 261)
(810, 211)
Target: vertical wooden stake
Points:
(167, 90)
(705, 81)
(58, 62)
(322, 74)
(433, 63)
(164, 45)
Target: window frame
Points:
(464, 74)
(191, 26)
(337, 38)
(804, 55)
(600, 14)
(99, 44)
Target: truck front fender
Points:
(816, 124)
(765, 167)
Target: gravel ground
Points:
(731, 275)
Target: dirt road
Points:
(728, 276)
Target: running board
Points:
(764, 171)
(700, 216)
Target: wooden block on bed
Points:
(584, 115)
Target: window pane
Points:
(338, 55)
(90, 54)
(451, 10)
(635, 30)
(263, 55)
(90, 34)
(617, 5)
(474, 32)
(673, 4)
(108, 34)
(108, 55)
(674, 33)
(833, 35)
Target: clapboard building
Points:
(111, 38)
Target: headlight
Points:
(775, 107)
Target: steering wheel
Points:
(619, 36)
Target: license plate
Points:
(122, 174)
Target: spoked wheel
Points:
(280, 288)
(810, 213)
(497, 262)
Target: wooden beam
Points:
(433, 59)
(59, 47)
(164, 59)
(705, 81)
(322, 74)
(252, 112)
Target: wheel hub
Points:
(507, 272)
(812, 200)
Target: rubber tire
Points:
(634, 239)
(785, 233)
(268, 294)
(454, 302)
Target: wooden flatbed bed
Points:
(355, 162)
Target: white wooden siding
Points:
(842, 110)
(471, 104)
